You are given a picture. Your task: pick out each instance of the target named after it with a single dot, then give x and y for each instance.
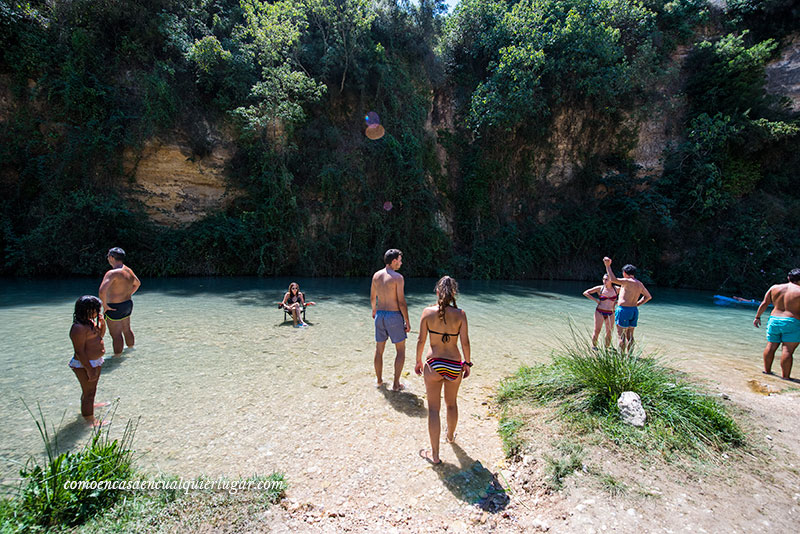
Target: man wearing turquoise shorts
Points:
(632, 294)
(783, 327)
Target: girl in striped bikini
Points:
(444, 367)
(604, 312)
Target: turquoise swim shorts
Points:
(783, 330)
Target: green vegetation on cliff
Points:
(510, 133)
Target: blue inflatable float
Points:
(722, 300)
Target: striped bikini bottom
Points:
(449, 369)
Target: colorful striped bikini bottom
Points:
(449, 369)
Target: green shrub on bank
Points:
(585, 384)
(45, 499)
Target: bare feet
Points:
(380, 385)
(448, 439)
(398, 387)
(96, 423)
(429, 457)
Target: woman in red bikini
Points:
(604, 312)
(443, 366)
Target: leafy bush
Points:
(516, 89)
(775, 18)
(46, 499)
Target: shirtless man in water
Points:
(118, 286)
(632, 294)
(390, 312)
(784, 322)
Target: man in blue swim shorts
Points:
(632, 294)
(390, 311)
(118, 286)
(783, 327)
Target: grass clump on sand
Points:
(585, 384)
(49, 494)
(177, 510)
(568, 460)
(509, 430)
(113, 497)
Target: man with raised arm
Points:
(118, 286)
(389, 309)
(784, 322)
(632, 294)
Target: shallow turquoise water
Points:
(214, 356)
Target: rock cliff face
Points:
(176, 186)
(783, 74)
(179, 180)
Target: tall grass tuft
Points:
(45, 497)
(585, 384)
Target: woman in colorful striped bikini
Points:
(444, 367)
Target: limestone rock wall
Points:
(176, 186)
(783, 74)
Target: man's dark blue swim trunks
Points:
(121, 310)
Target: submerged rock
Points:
(630, 409)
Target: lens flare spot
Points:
(375, 131)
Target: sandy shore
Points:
(359, 471)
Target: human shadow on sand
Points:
(404, 402)
(68, 435)
(290, 323)
(471, 482)
(110, 363)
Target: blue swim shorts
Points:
(389, 324)
(783, 330)
(626, 316)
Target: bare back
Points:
(118, 285)
(387, 288)
(630, 291)
(786, 299)
(451, 330)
